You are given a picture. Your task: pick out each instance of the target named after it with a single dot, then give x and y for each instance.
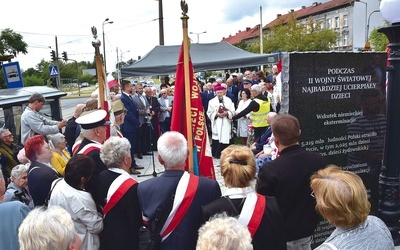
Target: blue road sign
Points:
(12, 74)
(53, 70)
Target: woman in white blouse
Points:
(69, 194)
(242, 123)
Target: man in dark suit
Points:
(288, 179)
(233, 90)
(143, 109)
(207, 95)
(154, 107)
(172, 187)
(131, 122)
(70, 129)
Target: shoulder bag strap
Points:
(161, 217)
(46, 202)
(232, 205)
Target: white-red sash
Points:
(89, 148)
(117, 189)
(76, 146)
(252, 212)
(184, 194)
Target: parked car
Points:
(84, 84)
(70, 85)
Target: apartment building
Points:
(353, 20)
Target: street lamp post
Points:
(369, 18)
(365, 22)
(106, 21)
(367, 46)
(198, 34)
(389, 182)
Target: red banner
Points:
(178, 122)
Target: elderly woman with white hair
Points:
(223, 232)
(17, 189)
(122, 217)
(48, 228)
(60, 152)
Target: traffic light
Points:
(53, 55)
(65, 56)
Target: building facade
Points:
(353, 20)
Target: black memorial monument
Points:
(339, 99)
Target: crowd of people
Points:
(76, 190)
(238, 105)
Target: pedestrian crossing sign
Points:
(53, 70)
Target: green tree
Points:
(291, 35)
(11, 43)
(33, 77)
(88, 65)
(378, 39)
(34, 81)
(88, 78)
(244, 45)
(43, 67)
(31, 72)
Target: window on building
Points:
(328, 23)
(337, 24)
(337, 42)
(345, 22)
(345, 39)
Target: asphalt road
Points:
(68, 106)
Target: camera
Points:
(148, 118)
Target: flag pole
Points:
(101, 78)
(185, 18)
(99, 67)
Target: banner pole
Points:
(188, 105)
